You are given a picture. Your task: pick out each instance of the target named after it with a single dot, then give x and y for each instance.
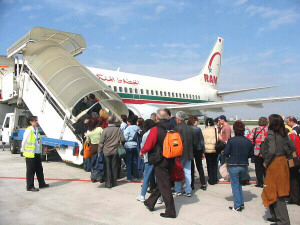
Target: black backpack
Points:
(297, 129)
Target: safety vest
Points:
(30, 145)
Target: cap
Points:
(222, 117)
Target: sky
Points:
(172, 39)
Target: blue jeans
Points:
(187, 176)
(236, 173)
(131, 163)
(141, 164)
(87, 164)
(148, 171)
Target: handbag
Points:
(294, 160)
(177, 173)
(220, 145)
(224, 171)
(121, 149)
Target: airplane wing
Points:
(218, 106)
(223, 93)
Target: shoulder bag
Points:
(121, 149)
(220, 145)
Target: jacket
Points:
(186, 133)
(210, 135)
(198, 144)
(154, 142)
(110, 140)
(277, 182)
(93, 136)
(275, 145)
(239, 149)
(296, 140)
(129, 134)
(260, 134)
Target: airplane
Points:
(197, 95)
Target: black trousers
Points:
(260, 170)
(162, 172)
(295, 185)
(152, 182)
(198, 160)
(111, 169)
(34, 166)
(279, 211)
(212, 166)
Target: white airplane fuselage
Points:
(143, 95)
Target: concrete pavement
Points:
(82, 202)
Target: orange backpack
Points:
(172, 145)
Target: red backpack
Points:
(177, 173)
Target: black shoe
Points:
(150, 191)
(33, 189)
(271, 219)
(151, 209)
(203, 187)
(44, 185)
(259, 185)
(165, 215)
(291, 202)
(192, 186)
(239, 209)
(242, 207)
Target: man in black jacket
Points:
(162, 166)
(187, 156)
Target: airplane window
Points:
(130, 90)
(152, 92)
(6, 124)
(125, 89)
(193, 96)
(109, 86)
(120, 89)
(147, 91)
(165, 93)
(199, 97)
(169, 94)
(161, 93)
(142, 91)
(176, 95)
(179, 95)
(156, 92)
(183, 95)
(115, 89)
(190, 96)
(172, 94)
(136, 91)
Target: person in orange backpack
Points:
(186, 133)
(163, 166)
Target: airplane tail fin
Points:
(209, 75)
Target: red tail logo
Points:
(210, 79)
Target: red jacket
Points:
(296, 140)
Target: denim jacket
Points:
(129, 133)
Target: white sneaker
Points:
(222, 180)
(140, 198)
(160, 200)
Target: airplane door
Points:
(7, 128)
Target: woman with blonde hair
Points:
(103, 118)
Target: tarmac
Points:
(73, 199)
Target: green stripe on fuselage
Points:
(159, 98)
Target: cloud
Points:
(275, 17)
(27, 8)
(180, 45)
(240, 2)
(265, 53)
(160, 9)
